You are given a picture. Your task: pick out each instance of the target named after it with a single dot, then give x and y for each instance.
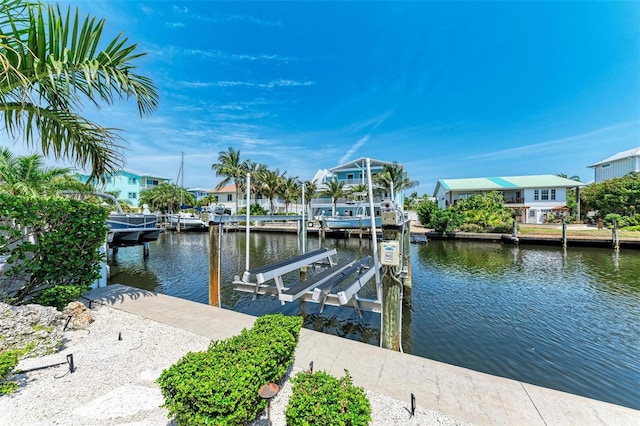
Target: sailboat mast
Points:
(181, 178)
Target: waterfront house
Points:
(352, 173)
(128, 184)
(617, 165)
(199, 193)
(227, 196)
(533, 198)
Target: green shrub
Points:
(52, 248)
(471, 227)
(220, 385)
(425, 211)
(321, 399)
(255, 209)
(504, 228)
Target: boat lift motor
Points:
(390, 214)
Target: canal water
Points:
(566, 320)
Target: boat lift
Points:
(316, 288)
(348, 277)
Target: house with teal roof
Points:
(533, 198)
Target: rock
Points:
(81, 317)
(36, 327)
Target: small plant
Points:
(8, 361)
(321, 399)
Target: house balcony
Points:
(514, 200)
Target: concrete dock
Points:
(457, 392)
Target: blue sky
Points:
(448, 89)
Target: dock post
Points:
(391, 297)
(564, 234)
(145, 249)
(514, 232)
(406, 258)
(214, 265)
(614, 236)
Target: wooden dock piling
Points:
(214, 265)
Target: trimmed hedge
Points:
(321, 399)
(220, 386)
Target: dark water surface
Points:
(563, 320)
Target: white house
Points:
(351, 173)
(617, 165)
(532, 197)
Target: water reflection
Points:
(564, 319)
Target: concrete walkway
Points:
(464, 394)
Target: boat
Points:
(361, 219)
(127, 229)
(186, 221)
(213, 214)
(124, 229)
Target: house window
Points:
(152, 182)
(532, 213)
(604, 166)
(545, 194)
(536, 194)
(349, 176)
(553, 194)
(133, 195)
(132, 181)
(229, 197)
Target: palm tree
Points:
(393, 179)
(310, 190)
(256, 170)
(163, 197)
(564, 175)
(231, 169)
(50, 62)
(359, 192)
(27, 176)
(208, 200)
(270, 184)
(290, 191)
(335, 190)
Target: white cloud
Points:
(347, 156)
(526, 150)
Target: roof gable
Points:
(635, 152)
(361, 164)
(225, 189)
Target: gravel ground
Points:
(117, 361)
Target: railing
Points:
(514, 200)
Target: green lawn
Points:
(603, 233)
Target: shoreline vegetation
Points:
(544, 231)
